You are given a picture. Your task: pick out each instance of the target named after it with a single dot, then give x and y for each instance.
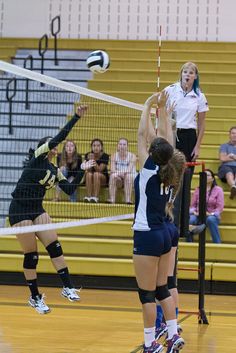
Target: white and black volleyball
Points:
(98, 61)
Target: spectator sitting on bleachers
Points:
(96, 176)
(214, 206)
(227, 169)
(69, 162)
(123, 171)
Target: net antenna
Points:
(158, 76)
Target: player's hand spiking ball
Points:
(81, 110)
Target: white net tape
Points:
(63, 225)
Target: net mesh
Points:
(34, 106)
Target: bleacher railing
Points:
(30, 59)
(43, 47)
(10, 94)
(55, 29)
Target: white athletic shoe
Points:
(94, 199)
(70, 294)
(38, 304)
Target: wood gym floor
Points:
(105, 322)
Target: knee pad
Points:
(162, 292)
(146, 296)
(54, 249)
(31, 260)
(172, 282)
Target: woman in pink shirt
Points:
(214, 206)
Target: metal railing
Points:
(55, 29)
(43, 47)
(10, 94)
(30, 59)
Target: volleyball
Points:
(98, 61)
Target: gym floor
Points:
(105, 322)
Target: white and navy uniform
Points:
(187, 106)
(151, 236)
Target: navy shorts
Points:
(224, 169)
(155, 242)
(174, 234)
(22, 210)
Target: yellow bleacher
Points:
(106, 249)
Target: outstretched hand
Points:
(162, 99)
(153, 99)
(81, 110)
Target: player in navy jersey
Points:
(152, 242)
(26, 209)
(178, 159)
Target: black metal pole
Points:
(185, 195)
(10, 98)
(43, 47)
(55, 29)
(29, 57)
(202, 318)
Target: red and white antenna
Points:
(158, 74)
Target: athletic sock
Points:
(65, 277)
(177, 312)
(172, 328)
(149, 336)
(33, 286)
(159, 317)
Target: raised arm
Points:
(144, 129)
(164, 121)
(63, 133)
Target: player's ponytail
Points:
(31, 150)
(28, 157)
(167, 173)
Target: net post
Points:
(56, 21)
(29, 57)
(10, 98)
(43, 47)
(202, 318)
(184, 210)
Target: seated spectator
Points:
(69, 162)
(123, 171)
(227, 170)
(214, 206)
(96, 176)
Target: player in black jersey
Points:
(26, 209)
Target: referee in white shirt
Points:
(189, 113)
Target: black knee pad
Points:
(31, 260)
(172, 282)
(146, 296)
(54, 249)
(162, 292)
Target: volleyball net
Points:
(34, 106)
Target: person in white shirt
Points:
(123, 171)
(190, 107)
(189, 111)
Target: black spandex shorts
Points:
(155, 242)
(22, 210)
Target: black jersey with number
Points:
(39, 174)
